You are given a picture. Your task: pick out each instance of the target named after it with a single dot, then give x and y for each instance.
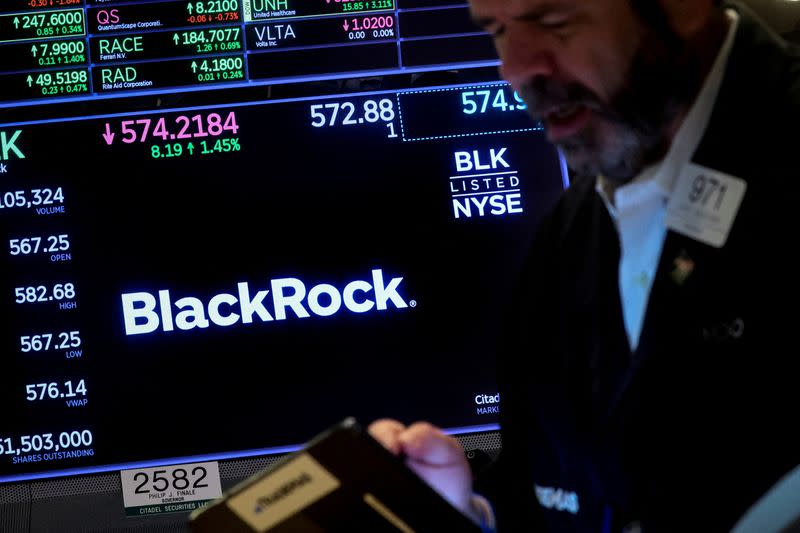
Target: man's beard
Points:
(633, 129)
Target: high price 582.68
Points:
(43, 293)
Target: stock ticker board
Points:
(53, 49)
(228, 224)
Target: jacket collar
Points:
(740, 133)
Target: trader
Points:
(649, 375)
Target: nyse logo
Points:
(484, 184)
(9, 147)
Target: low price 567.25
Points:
(44, 342)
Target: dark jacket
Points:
(686, 432)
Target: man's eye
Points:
(554, 21)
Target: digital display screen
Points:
(52, 50)
(229, 272)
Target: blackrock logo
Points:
(145, 312)
(485, 184)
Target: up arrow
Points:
(16, 22)
(33, 50)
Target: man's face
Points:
(606, 84)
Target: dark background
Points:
(324, 205)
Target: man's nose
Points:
(524, 55)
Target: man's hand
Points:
(435, 457)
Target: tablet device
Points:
(342, 481)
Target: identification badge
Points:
(704, 204)
(170, 489)
(293, 487)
